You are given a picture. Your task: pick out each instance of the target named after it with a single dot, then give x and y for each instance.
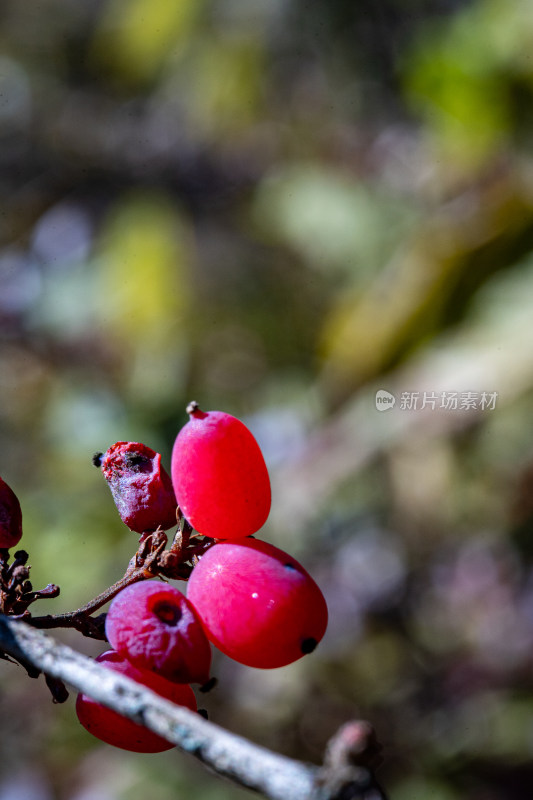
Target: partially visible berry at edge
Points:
(141, 487)
(10, 517)
(114, 729)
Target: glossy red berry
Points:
(220, 476)
(154, 625)
(10, 517)
(114, 729)
(141, 488)
(258, 604)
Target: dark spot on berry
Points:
(167, 613)
(203, 713)
(97, 459)
(289, 565)
(211, 683)
(136, 461)
(308, 645)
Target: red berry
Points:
(258, 604)
(156, 628)
(141, 488)
(10, 517)
(114, 729)
(220, 476)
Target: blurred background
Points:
(280, 209)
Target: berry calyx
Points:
(141, 487)
(157, 628)
(258, 604)
(112, 728)
(10, 517)
(219, 475)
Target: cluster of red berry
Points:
(253, 601)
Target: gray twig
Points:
(234, 757)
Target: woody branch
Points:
(345, 774)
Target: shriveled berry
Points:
(220, 476)
(141, 488)
(10, 517)
(156, 628)
(258, 604)
(114, 729)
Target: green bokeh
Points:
(278, 209)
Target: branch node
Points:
(351, 756)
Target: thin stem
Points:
(139, 569)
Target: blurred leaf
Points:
(428, 284)
(223, 80)
(455, 81)
(143, 271)
(331, 220)
(507, 31)
(135, 37)
(143, 289)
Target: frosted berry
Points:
(114, 729)
(10, 517)
(220, 476)
(141, 488)
(156, 628)
(258, 604)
